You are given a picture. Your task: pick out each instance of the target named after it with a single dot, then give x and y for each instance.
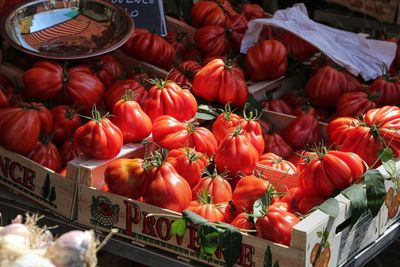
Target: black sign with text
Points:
(148, 14)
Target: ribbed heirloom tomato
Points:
(99, 138)
(222, 82)
(66, 121)
(168, 98)
(243, 221)
(296, 46)
(19, 128)
(150, 47)
(189, 163)
(171, 134)
(216, 186)
(274, 143)
(167, 189)
(46, 154)
(277, 105)
(208, 13)
(366, 138)
(331, 171)
(354, 104)
(127, 177)
(212, 41)
(207, 208)
(46, 117)
(253, 11)
(108, 69)
(266, 60)
(252, 129)
(236, 154)
(129, 117)
(226, 120)
(387, 90)
(325, 87)
(68, 151)
(274, 161)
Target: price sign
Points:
(147, 14)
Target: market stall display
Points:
(193, 156)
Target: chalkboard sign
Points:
(148, 14)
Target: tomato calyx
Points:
(70, 113)
(227, 112)
(191, 154)
(159, 83)
(374, 130)
(386, 75)
(191, 126)
(156, 160)
(129, 95)
(319, 150)
(249, 115)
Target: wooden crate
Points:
(386, 219)
(179, 26)
(44, 186)
(129, 217)
(90, 172)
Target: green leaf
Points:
(260, 205)
(358, 201)
(319, 234)
(388, 162)
(208, 237)
(268, 257)
(178, 227)
(193, 218)
(204, 116)
(376, 190)
(330, 207)
(231, 243)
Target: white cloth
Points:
(349, 50)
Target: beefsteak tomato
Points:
(302, 131)
(119, 88)
(66, 121)
(216, 186)
(184, 74)
(46, 154)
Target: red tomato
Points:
(379, 128)
(150, 48)
(82, 88)
(119, 88)
(5, 82)
(274, 143)
(206, 13)
(353, 84)
(253, 11)
(167, 189)
(189, 163)
(66, 121)
(243, 221)
(108, 69)
(303, 202)
(296, 47)
(302, 131)
(68, 151)
(277, 105)
(63, 172)
(276, 225)
(305, 108)
(127, 177)
(46, 154)
(252, 129)
(274, 161)
(266, 60)
(248, 190)
(331, 172)
(46, 118)
(288, 198)
(217, 187)
(209, 211)
(387, 91)
(171, 134)
(226, 120)
(184, 74)
(168, 98)
(236, 154)
(212, 41)
(44, 80)
(99, 138)
(354, 104)
(129, 117)
(221, 82)
(19, 128)
(236, 28)
(325, 87)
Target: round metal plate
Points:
(67, 29)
